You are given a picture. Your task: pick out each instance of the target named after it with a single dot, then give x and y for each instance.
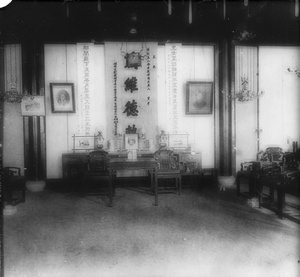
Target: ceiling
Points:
(269, 22)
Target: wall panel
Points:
(61, 67)
(280, 104)
(13, 143)
(197, 64)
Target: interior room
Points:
(150, 138)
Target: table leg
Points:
(151, 181)
(155, 188)
(238, 187)
(281, 201)
(110, 192)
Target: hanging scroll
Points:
(172, 85)
(131, 91)
(85, 53)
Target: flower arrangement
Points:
(296, 71)
(245, 94)
(12, 96)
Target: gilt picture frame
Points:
(133, 60)
(199, 98)
(131, 142)
(178, 141)
(62, 97)
(33, 106)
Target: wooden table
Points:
(122, 163)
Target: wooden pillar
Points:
(225, 140)
(34, 126)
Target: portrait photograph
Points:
(199, 97)
(131, 141)
(62, 97)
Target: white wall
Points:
(246, 66)
(279, 106)
(197, 64)
(61, 67)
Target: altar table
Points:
(122, 163)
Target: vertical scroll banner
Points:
(145, 94)
(173, 82)
(86, 93)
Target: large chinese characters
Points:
(131, 108)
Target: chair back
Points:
(11, 171)
(98, 161)
(166, 159)
(271, 160)
(290, 161)
(250, 166)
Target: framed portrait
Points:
(131, 142)
(33, 106)
(62, 97)
(133, 59)
(199, 98)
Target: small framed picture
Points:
(131, 142)
(62, 97)
(199, 98)
(133, 59)
(33, 106)
(178, 141)
(84, 142)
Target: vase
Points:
(9, 210)
(35, 186)
(225, 182)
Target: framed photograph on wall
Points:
(62, 97)
(199, 98)
(33, 106)
(131, 142)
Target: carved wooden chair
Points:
(271, 180)
(288, 188)
(14, 190)
(95, 177)
(291, 171)
(268, 163)
(168, 170)
(249, 172)
(271, 160)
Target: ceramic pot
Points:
(9, 210)
(35, 186)
(225, 182)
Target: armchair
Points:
(14, 190)
(271, 160)
(249, 172)
(95, 176)
(273, 179)
(268, 163)
(168, 169)
(289, 189)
